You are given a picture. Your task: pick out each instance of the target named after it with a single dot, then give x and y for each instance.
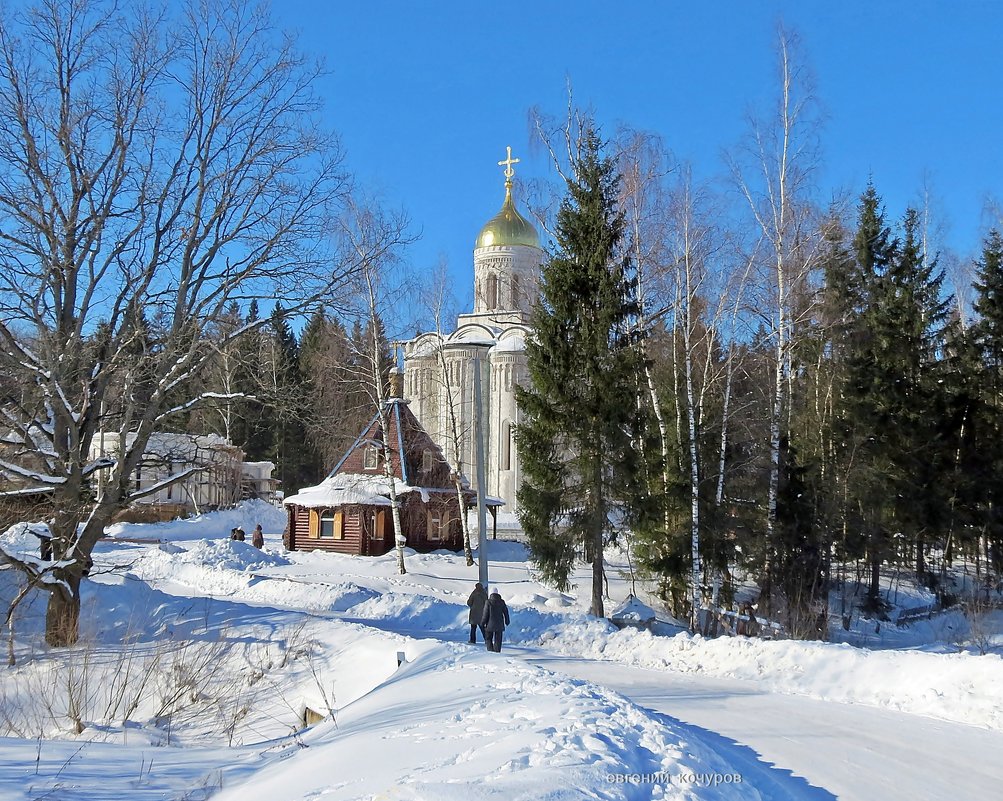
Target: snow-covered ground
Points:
(199, 657)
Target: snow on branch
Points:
(102, 463)
(184, 407)
(11, 470)
(153, 489)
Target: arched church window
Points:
(515, 292)
(426, 460)
(492, 291)
(371, 458)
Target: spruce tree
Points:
(896, 399)
(987, 340)
(920, 454)
(581, 471)
(868, 417)
(324, 362)
(988, 304)
(284, 392)
(254, 422)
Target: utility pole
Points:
(482, 520)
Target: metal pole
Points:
(482, 522)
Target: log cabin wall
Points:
(350, 540)
(358, 527)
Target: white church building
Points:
(507, 259)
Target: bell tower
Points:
(507, 256)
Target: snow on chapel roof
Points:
(345, 489)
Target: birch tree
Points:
(776, 183)
(438, 303)
(154, 170)
(375, 237)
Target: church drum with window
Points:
(349, 512)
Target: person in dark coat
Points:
(258, 537)
(476, 602)
(494, 620)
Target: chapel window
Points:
(492, 291)
(371, 458)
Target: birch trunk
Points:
(400, 540)
(784, 153)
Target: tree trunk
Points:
(691, 424)
(598, 518)
(62, 617)
(597, 575)
(874, 590)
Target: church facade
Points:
(439, 368)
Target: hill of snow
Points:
(200, 655)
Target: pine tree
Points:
(581, 470)
(868, 417)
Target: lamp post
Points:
(482, 522)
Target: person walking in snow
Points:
(494, 620)
(476, 602)
(258, 537)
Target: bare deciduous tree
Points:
(375, 236)
(438, 302)
(776, 182)
(154, 170)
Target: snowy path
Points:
(845, 751)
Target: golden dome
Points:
(508, 227)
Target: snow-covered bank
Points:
(210, 525)
(268, 633)
(430, 602)
(958, 687)
(453, 722)
(460, 723)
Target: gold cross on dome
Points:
(507, 163)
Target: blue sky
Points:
(426, 95)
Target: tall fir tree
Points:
(254, 426)
(988, 305)
(867, 418)
(896, 399)
(284, 391)
(921, 454)
(324, 357)
(987, 341)
(581, 469)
